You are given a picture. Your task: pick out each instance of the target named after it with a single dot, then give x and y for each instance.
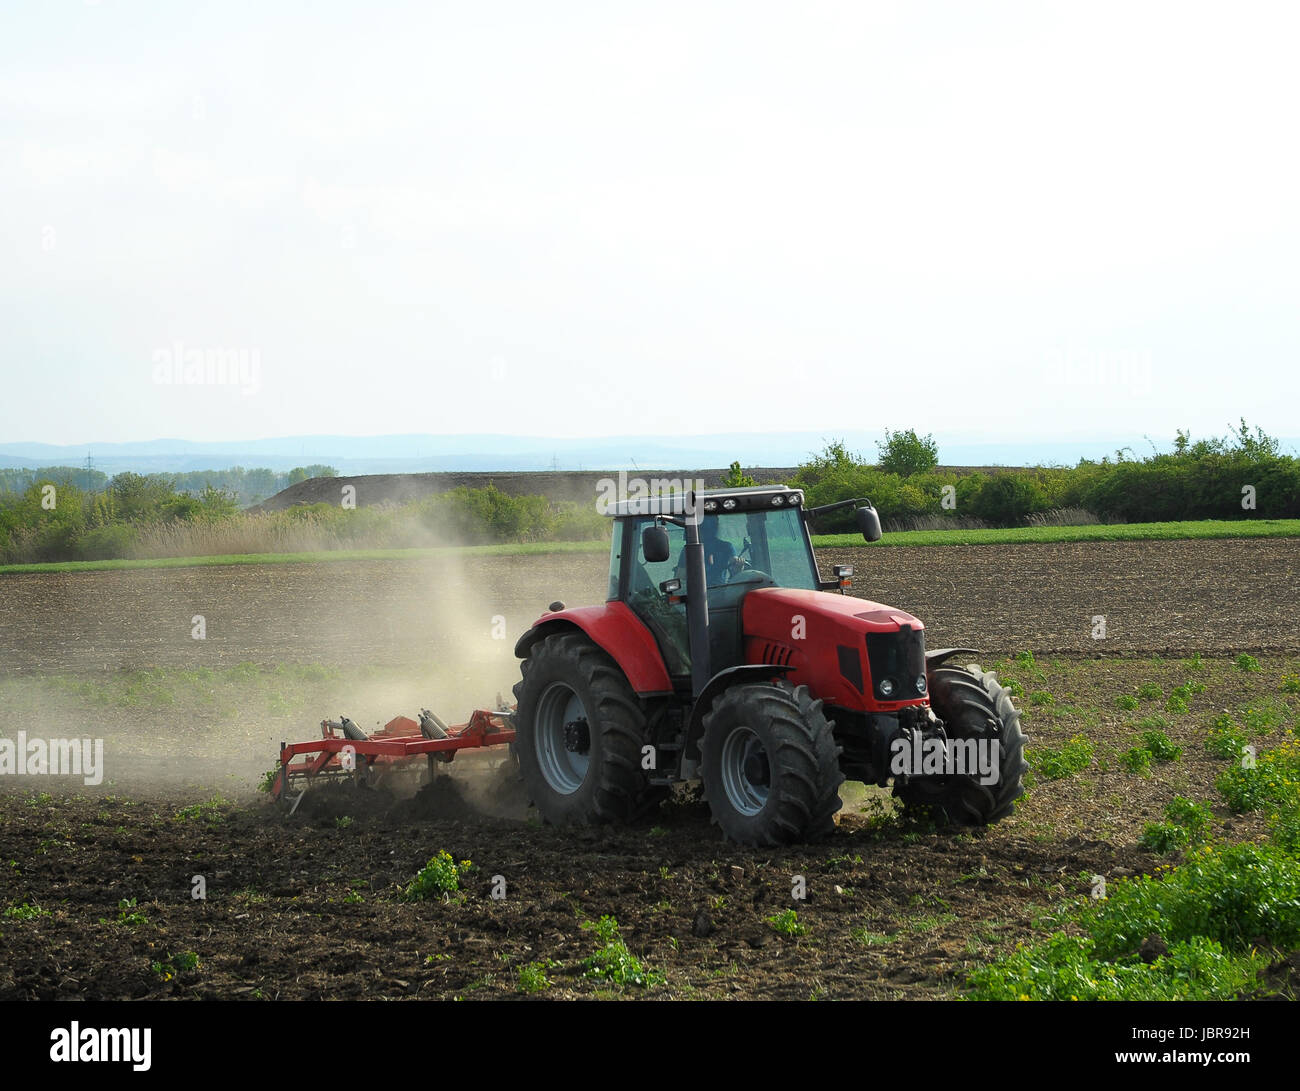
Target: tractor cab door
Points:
(639, 582)
(667, 620)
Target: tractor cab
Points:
(751, 537)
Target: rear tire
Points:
(972, 704)
(579, 732)
(770, 765)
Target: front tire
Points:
(770, 765)
(579, 732)
(972, 705)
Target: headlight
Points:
(886, 687)
(920, 683)
(778, 500)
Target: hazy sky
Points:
(590, 219)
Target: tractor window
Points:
(786, 556)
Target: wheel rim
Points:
(564, 769)
(745, 774)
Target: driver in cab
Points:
(720, 560)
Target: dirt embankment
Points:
(577, 487)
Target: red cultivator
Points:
(403, 745)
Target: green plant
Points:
(1163, 837)
(1149, 691)
(1066, 967)
(343, 822)
(440, 877)
(1247, 663)
(1136, 760)
(1042, 698)
(1127, 702)
(1186, 823)
(1290, 683)
(267, 780)
(532, 978)
(613, 962)
(1234, 895)
(1160, 746)
(1261, 721)
(1056, 763)
(787, 923)
(173, 965)
(1195, 663)
(209, 811)
(1193, 817)
(25, 912)
(1272, 779)
(1025, 661)
(1225, 739)
(127, 915)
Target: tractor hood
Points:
(870, 616)
(842, 647)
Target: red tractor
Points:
(720, 655)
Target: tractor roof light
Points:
(710, 505)
(778, 500)
(728, 504)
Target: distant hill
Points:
(489, 453)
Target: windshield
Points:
(741, 547)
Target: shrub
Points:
(1225, 739)
(905, 453)
(1163, 837)
(1136, 760)
(440, 877)
(613, 961)
(1066, 968)
(532, 978)
(1232, 895)
(1160, 746)
(108, 543)
(1273, 779)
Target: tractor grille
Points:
(777, 654)
(899, 657)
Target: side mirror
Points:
(869, 523)
(654, 544)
